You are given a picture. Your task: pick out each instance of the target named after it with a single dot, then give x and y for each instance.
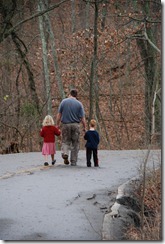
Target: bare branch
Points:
(150, 42)
(32, 17)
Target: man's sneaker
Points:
(65, 157)
(53, 162)
(73, 164)
(46, 164)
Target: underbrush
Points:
(149, 195)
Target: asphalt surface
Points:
(61, 202)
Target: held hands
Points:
(58, 127)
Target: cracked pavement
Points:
(61, 202)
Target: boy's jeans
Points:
(89, 152)
(70, 141)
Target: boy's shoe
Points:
(65, 157)
(53, 162)
(46, 164)
(88, 164)
(96, 164)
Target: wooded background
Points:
(109, 50)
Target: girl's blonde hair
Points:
(48, 121)
(93, 123)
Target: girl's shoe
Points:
(46, 164)
(53, 162)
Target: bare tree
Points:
(93, 74)
(44, 40)
(149, 50)
(73, 16)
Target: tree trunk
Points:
(104, 13)
(17, 41)
(148, 54)
(42, 27)
(73, 16)
(55, 57)
(87, 10)
(93, 75)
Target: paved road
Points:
(61, 202)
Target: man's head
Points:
(73, 93)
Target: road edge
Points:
(122, 213)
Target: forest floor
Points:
(151, 222)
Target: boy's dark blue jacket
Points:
(93, 139)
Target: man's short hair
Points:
(73, 93)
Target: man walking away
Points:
(70, 114)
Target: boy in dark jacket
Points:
(93, 139)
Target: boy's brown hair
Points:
(93, 123)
